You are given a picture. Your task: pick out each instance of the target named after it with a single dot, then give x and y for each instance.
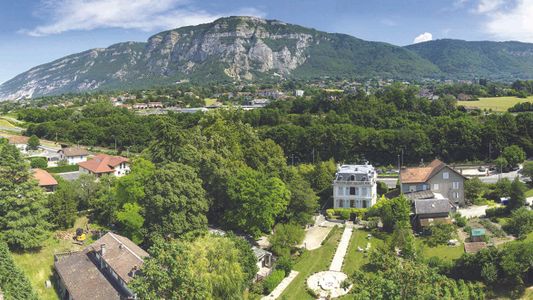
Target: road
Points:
(495, 177)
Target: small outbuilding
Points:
(477, 234)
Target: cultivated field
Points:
(495, 103)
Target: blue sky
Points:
(38, 31)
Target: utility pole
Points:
(399, 172)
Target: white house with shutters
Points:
(355, 186)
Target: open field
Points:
(37, 265)
(495, 103)
(311, 262)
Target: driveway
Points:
(70, 176)
(473, 211)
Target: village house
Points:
(431, 211)
(73, 155)
(103, 164)
(355, 186)
(436, 177)
(19, 141)
(101, 271)
(45, 180)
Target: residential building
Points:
(431, 211)
(436, 177)
(73, 155)
(19, 141)
(355, 186)
(299, 93)
(101, 271)
(45, 180)
(264, 262)
(103, 164)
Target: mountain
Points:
(466, 60)
(228, 49)
(248, 48)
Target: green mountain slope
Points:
(466, 60)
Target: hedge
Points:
(63, 169)
(346, 213)
(13, 282)
(272, 281)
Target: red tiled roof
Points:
(44, 178)
(18, 139)
(103, 163)
(421, 174)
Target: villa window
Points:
(435, 186)
(445, 175)
(364, 204)
(455, 185)
(352, 178)
(340, 191)
(364, 192)
(352, 190)
(352, 203)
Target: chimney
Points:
(102, 250)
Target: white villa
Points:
(355, 186)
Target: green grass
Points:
(529, 193)
(210, 101)
(495, 103)
(442, 251)
(355, 259)
(309, 263)
(6, 123)
(37, 265)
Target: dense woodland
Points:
(346, 128)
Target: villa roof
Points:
(44, 178)
(103, 163)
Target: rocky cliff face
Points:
(233, 48)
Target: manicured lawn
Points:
(495, 103)
(309, 263)
(442, 251)
(355, 259)
(529, 193)
(38, 264)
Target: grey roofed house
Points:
(100, 271)
(432, 206)
(73, 151)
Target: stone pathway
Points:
(281, 286)
(336, 263)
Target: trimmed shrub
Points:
(285, 264)
(38, 162)
(272, 281)
(496, 212)
(329, 213)
(63, 169)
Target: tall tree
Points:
(23, 211)
(207, 268)
(63, 205)
(174, 204)
(33, 142)
(13, 282)
(255, 201)
(517, 196)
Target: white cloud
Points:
(424, 37)
(485, 6)
(511, 23)
(147, 15)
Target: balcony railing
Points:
(353, 182)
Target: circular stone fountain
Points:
(328, 283)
